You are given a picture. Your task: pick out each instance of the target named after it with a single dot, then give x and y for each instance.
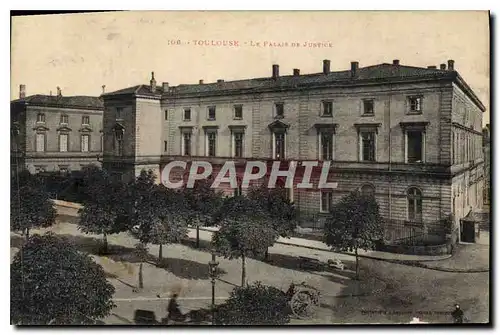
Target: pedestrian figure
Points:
(458, 314)
(174, 312)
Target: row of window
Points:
(414, 107)
(414, 140)
(41, 141)
(40, 118)
(466, 146)
(413, 197)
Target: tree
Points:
(254, 305)
(243, 230)
(158, 213)
(53, 283)
(277, 204)
(202, 202)
(354, 223)
(106, 208)
(30, 206)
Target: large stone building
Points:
(410, 135)
(55, 132)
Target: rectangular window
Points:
(279, 145)
(119, 113)
(327, 108)
(238, 112)
(85, 120)
(119, 144)
(63, 142)
(326, 142)
(367, 146)
(280, 110)
(165, 114)
(165, 146)
(85, 143)
(64, 119)
(415, 104)
(212, 143)
(368, 107)
(415, 143)
(186, 150)
(211, 113)
(40, 117)
(326, 202)
(40, 142)
(102, 142)
(238, 144)
(187, 114)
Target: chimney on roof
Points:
(22, 91)
(164, 86)
(395, 62)
(219, 81)
(354, 69)
(59, 93)
(103, 89)
(201, 81)
(432, 67)
(276, 71)
(326, 66)
(451, 65)
(152, 82)
(296, 72)
(442, 66)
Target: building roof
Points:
(370, 74)
(77, 101)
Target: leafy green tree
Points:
(354, 223)
(106, 208)
(244, 230)
(281, 210)
(254, 304)
(53, 283)
(202, 203)
(30, 206)
(158, 213)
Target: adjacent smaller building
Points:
(55, 132)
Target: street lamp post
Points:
(213, 274)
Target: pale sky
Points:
(82, 52)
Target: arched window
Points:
(368, 190)
(414, 196)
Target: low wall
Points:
(425, 250)
(67, 204)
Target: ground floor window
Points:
(326, 201)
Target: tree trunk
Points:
(105, 243)
(243, 270)
(357, 264)
(160, 255)
(266, 255)
(141, 280)
(197, 237)
(27, 233)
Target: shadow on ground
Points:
(147, 317)
(179, 267)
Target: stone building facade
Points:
(55, 132)
(409, 135)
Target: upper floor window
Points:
(85, 143)
(327, 108)
(186, 144)
(211, 143)
(40, 142)
(119, 113)
(118, 143)
(238, 112)
(326, 202)
(279, 145)
(187, 114)
(165, 146)
(368, 107)
(211, 113)
(280, 110)
(85, 120)
(40, 117)
(415, 146)
(415, 105)
(326, 145)
(238, 144)
(165, 114)
(63, 142)
(414, 196)
(367, 145)
(64, 119)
